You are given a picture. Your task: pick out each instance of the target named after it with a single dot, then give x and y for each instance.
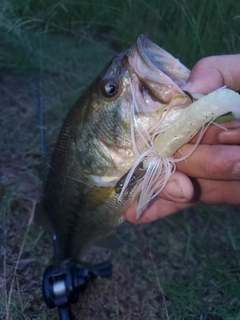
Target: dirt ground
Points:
(183, 267)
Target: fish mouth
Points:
(160, 60)
(156, 75)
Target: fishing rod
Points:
(62, 287)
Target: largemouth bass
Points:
(109, 129)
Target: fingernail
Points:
(174, 190)
(236, 170)
(186, 86)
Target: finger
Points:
(211, 73)
(158, 208)
(177, 194)
(212, 162)
(179, 188)
(226, 133)
(217, 192)
(211, 192)
(231, 136)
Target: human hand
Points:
(212, 173)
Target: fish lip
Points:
(144, 49)
(157, 70)
(142, 44)
(143, 73)
(159, 59)
(144, 94)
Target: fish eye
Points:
(109, 87)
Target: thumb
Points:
(211, 73)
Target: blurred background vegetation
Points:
(182, 267)
(187, 29)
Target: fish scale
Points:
(100, 141)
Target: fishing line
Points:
(135, 110)
(37, 83)
(157, 175)
(40, 110)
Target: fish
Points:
(107, 129)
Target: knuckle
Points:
(205, 62)
(219, 165)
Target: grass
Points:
(189, 30)
(183, 267)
